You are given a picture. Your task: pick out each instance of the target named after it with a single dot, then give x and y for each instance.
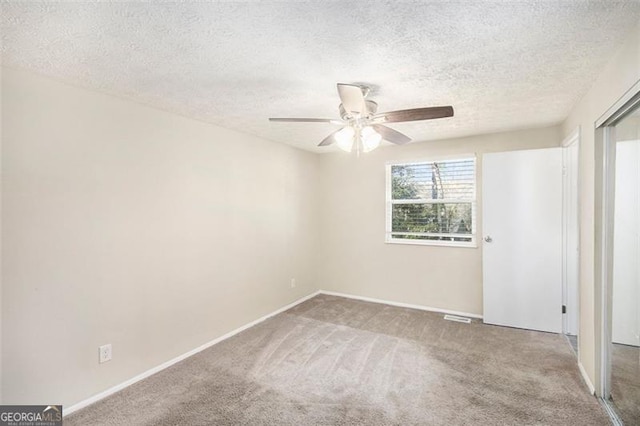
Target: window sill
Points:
(459, 244)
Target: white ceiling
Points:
(502, 65)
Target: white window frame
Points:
(390, 202)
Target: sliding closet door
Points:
(625, 285)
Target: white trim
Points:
(609, 168)
(387, 200)
(438, 201)
(433, 159)
(400, 304)
(587, 380)
(620, 107)
(605, 143)
(154, 370)
(571, 141)
(572, 138)
(436, 243)
(432, 234)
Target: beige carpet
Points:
(335, 361)
(625, 382)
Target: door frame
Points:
(605, 146)
(571, 172)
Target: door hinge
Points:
(564, 309)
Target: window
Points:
(432, 202)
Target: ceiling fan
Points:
(362, 125)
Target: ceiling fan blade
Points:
(352, 98)
(329, 139)
(391, 135)
(415, 114)
(306, 120)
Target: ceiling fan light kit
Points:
(368, 139)
(363, 125)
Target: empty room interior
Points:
(320, 213)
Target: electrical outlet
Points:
(104, 353)
(293, 282)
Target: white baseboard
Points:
(400, 304)
(586, 379)
(179, 358)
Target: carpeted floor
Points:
(336, 361)
(625, 382)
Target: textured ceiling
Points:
(502, 65)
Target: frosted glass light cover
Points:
(344, 139)
(370, 139)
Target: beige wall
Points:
(354, 257)
(127, 225)
(621, 73)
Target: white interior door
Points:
(522, 248)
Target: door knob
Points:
(488, 239)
